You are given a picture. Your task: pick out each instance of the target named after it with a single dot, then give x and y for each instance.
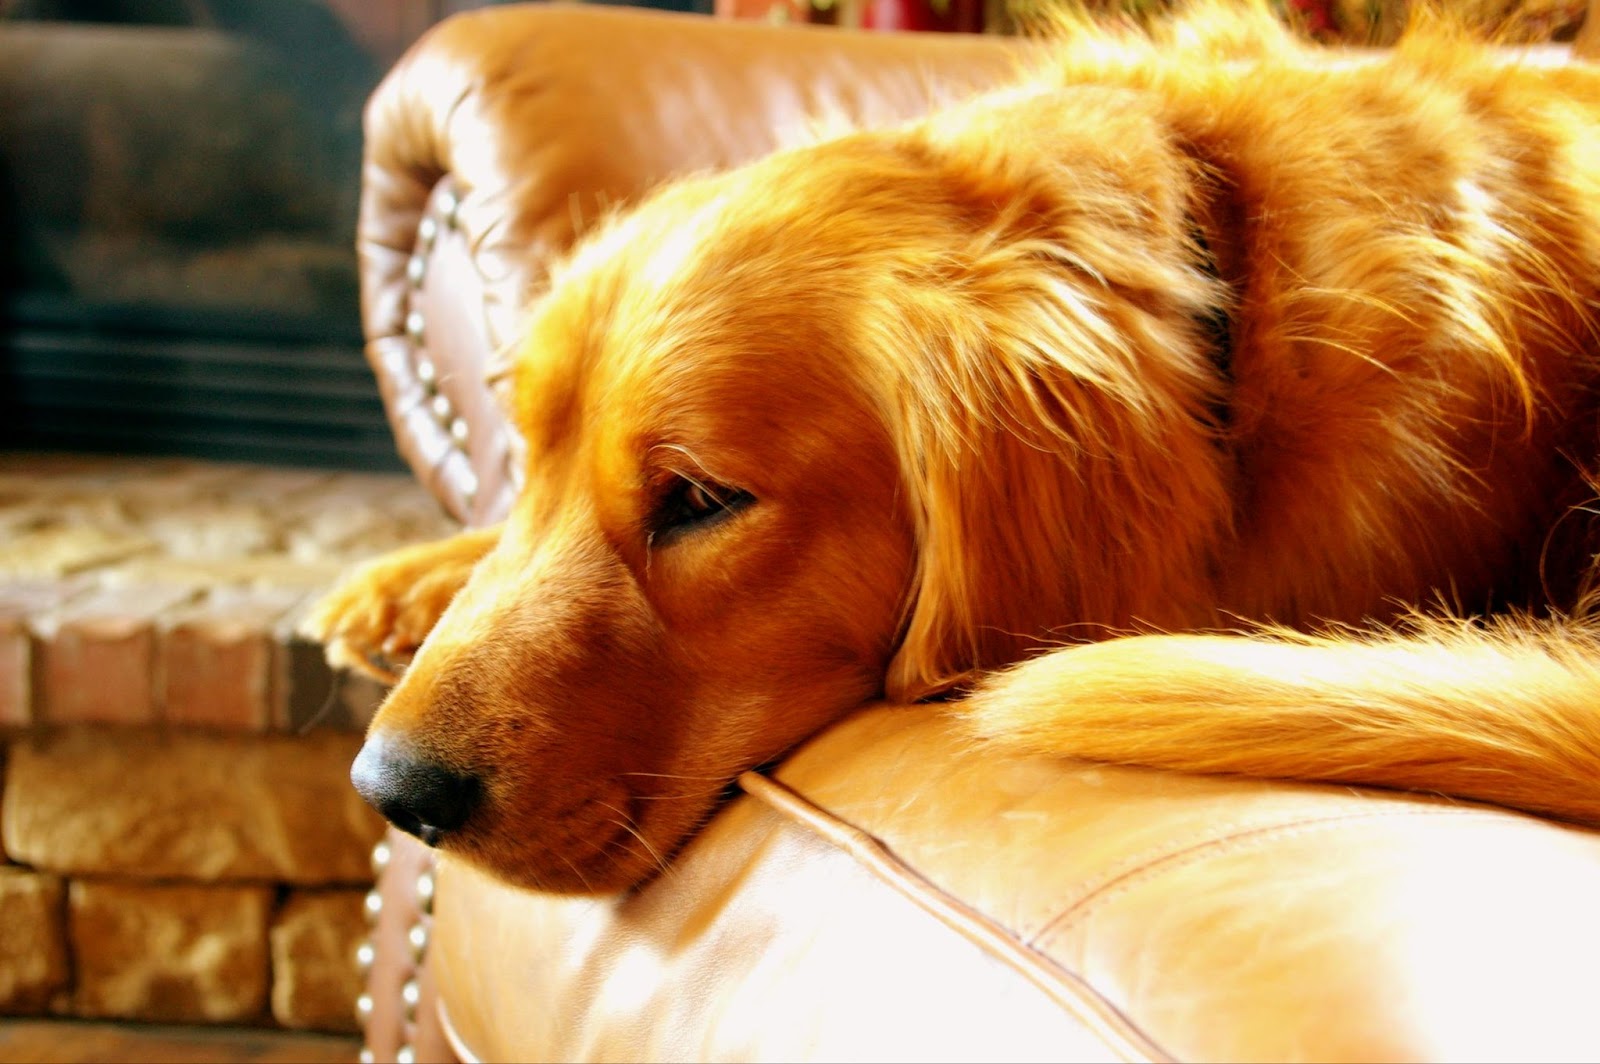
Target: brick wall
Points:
(178, 838)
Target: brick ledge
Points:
(140, 591)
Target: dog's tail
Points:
(1507, 713)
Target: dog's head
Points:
(857, 420)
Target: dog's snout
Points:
(419, 796)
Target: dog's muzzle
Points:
(418, 796)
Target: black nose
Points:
(418, 796)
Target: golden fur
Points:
(974, 377)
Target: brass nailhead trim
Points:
(446, 208)
(449, 208)
(410, 995)
(425, 892)
(367, 952)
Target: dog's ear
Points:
(1056, 417)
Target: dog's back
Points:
(1411, 244)
(1405, 399)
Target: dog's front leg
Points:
(378, 616)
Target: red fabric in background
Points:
(954, 16)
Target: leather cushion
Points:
(899, 893)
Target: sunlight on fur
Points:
(1138, 408)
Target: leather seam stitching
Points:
(1109, 889)
(1100, 1016)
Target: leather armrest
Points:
(506, 131)
(896, 892)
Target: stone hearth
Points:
(179, 840)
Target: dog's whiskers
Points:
(679, 796)
(678, 776)
(337, 679)
(624, 822)
(577, 872)
(717, 785)
(660, 864)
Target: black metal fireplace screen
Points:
(178, 185)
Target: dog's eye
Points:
(689, 504)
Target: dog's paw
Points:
(374, 621)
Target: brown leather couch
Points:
(887, 893)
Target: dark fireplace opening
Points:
(178, 188)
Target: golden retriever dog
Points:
(1205, 402)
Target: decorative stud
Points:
(458, 431)
(449, 207)
(416, 270)
(381, 855)
(405, 1055)
(418, 939)
(427, 374)
(442, 408)
(425, 892)
(414, 325)
(364, 1009)
(366, 1056)
(410, 995)
(372, 905)
(427, 231)
(366, 954)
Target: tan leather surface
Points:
(1196, 918)
(545, 115)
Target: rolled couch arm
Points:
(506, 131)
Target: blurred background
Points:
(192, 449)
(178, 186)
